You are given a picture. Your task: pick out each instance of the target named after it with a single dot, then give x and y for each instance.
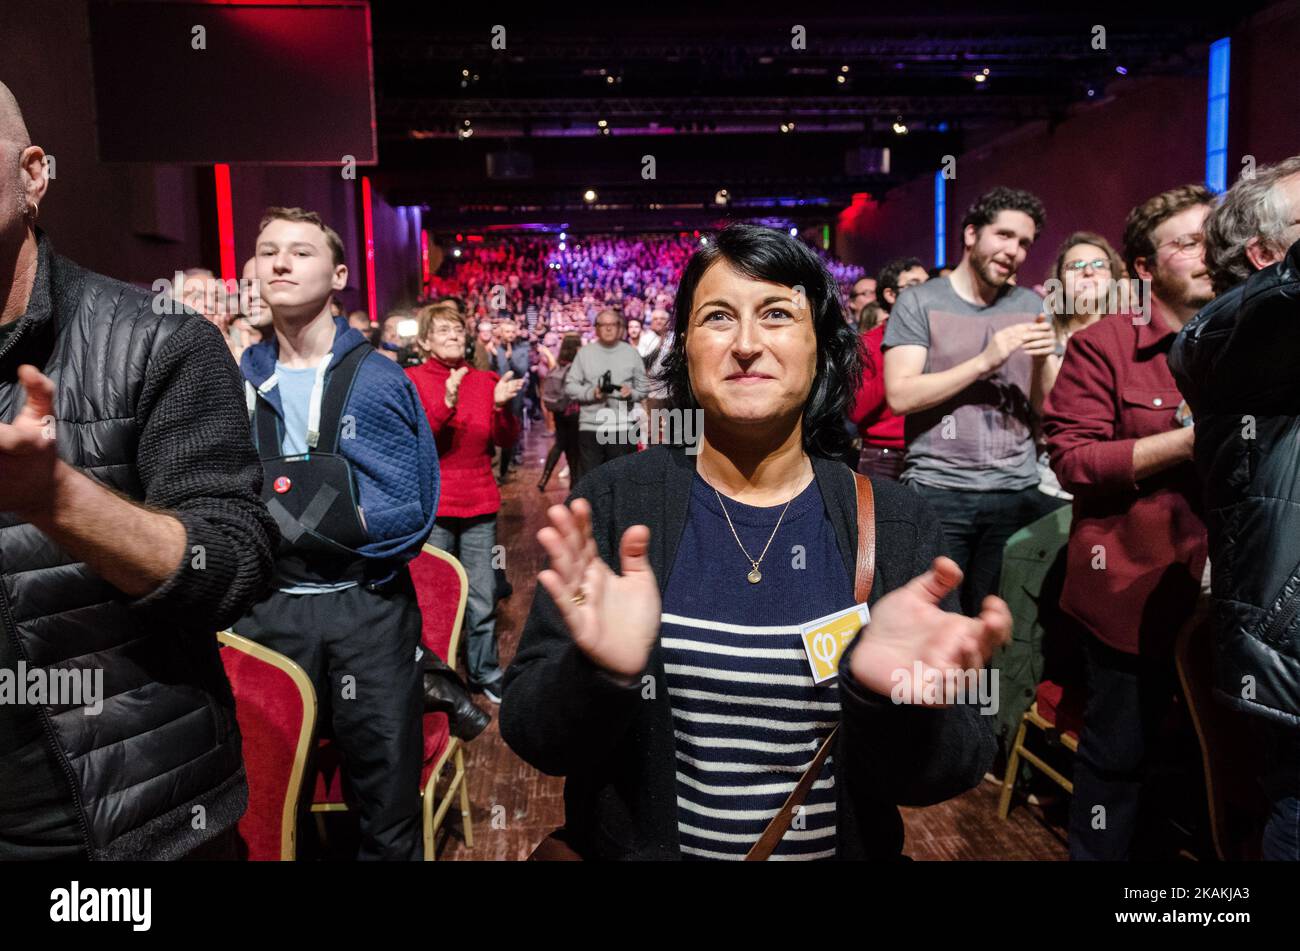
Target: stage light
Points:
(455, 252)
(844, 69)
(722, 197)
(794, 232)
(601, 123)
(839, 79)
(563, 246)
(589, 195)
(1122, 70)
(980, 77)
(563, 235)
(899, 127)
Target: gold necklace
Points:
(754, 576)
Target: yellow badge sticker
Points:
(825, 639)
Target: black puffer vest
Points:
(158, 771)
(1237, 362)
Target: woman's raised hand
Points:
(452, 393)
(506, 388)
(908, 626)
(613, 618)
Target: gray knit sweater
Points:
(626, 368)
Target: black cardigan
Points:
(616, 749)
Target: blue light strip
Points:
(1216, 118)
(940, 220)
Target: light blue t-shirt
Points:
(295, 384)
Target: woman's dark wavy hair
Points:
(769, 255)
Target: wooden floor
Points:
(515, 806)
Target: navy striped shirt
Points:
(747, 716)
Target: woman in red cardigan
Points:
(469, 413)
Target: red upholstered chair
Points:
(442, 590)
(1058, 712)
(276, 709)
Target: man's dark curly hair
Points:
(768, 255)
(889, 275)
(1001, 198)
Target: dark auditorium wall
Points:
(1091, 169)
(91, 209)
(139, 223)
(1265, 113)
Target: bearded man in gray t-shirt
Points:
(963, 359)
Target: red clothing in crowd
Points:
(465, 436)
(878, 426)
(1137, 549)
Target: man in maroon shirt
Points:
(1120, 440)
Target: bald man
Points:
(131, 529)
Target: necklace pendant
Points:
(755, 576)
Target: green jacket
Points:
(1033, 568)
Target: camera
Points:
(607, 387)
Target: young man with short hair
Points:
(332, 418)
(959, 358)
(897, 276)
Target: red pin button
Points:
(282, 485)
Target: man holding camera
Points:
(607, 377)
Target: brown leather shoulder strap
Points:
(864, 575)
(775, 831)
(866, 570)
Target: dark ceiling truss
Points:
(705, 107)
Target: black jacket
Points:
(1237, 363)
(150, 405)
(616, 750)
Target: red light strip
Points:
(424, 261)
(225, 222)
(368, 225)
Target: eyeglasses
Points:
(1100, 264)
(1184, 243)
